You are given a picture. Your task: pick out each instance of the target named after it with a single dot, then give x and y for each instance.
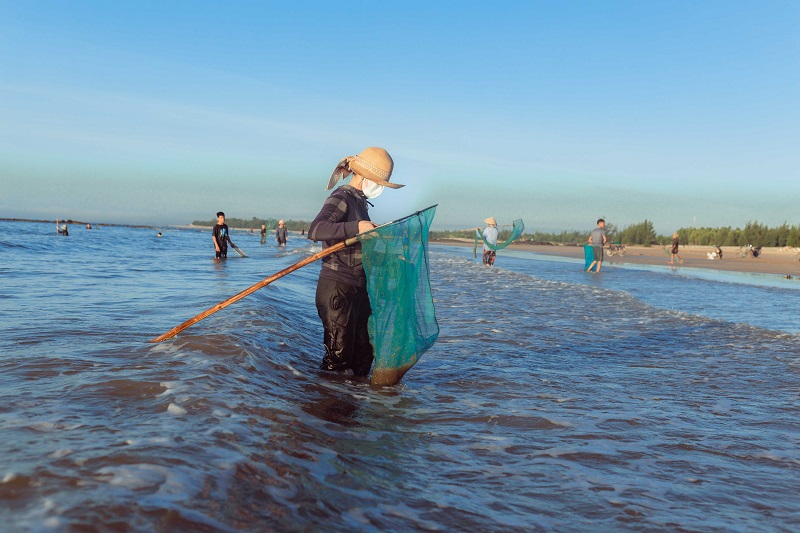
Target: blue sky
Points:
(684, 113)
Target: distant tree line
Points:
(753, 233)
(643, 233)
(255, 223)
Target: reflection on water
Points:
(553, 400)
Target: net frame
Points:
(402, 326)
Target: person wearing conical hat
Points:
(281, 233)
(490, 233)
(341, 298)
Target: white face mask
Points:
(371, 189)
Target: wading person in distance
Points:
(597, 238)
(281, 233)
(490, 233)
(342, 300)
(221, 237)
(674, 250)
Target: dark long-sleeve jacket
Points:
(337, 221)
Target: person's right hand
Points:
(365, 225)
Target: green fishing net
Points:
(516, 231)
(588, 255)
(403, 323)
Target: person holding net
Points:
(341, 298)
(490, 234)
(597, 238)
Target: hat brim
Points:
(385, 183)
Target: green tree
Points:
(641, 233)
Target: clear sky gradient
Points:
(684, 113)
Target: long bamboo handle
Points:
(263, 283)
(266, 281)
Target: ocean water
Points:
(639, 399)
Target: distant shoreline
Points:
(98, 224)
(777, 261)
(81, 223)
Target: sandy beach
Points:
(778, 261)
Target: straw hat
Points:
(374, 164)
(491, 221)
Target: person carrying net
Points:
(490, 234)
(342, 300)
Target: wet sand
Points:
(778, 261)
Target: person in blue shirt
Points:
(490, 233)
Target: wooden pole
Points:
(250, 290)
(266, 281)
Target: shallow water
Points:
(637, 399)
